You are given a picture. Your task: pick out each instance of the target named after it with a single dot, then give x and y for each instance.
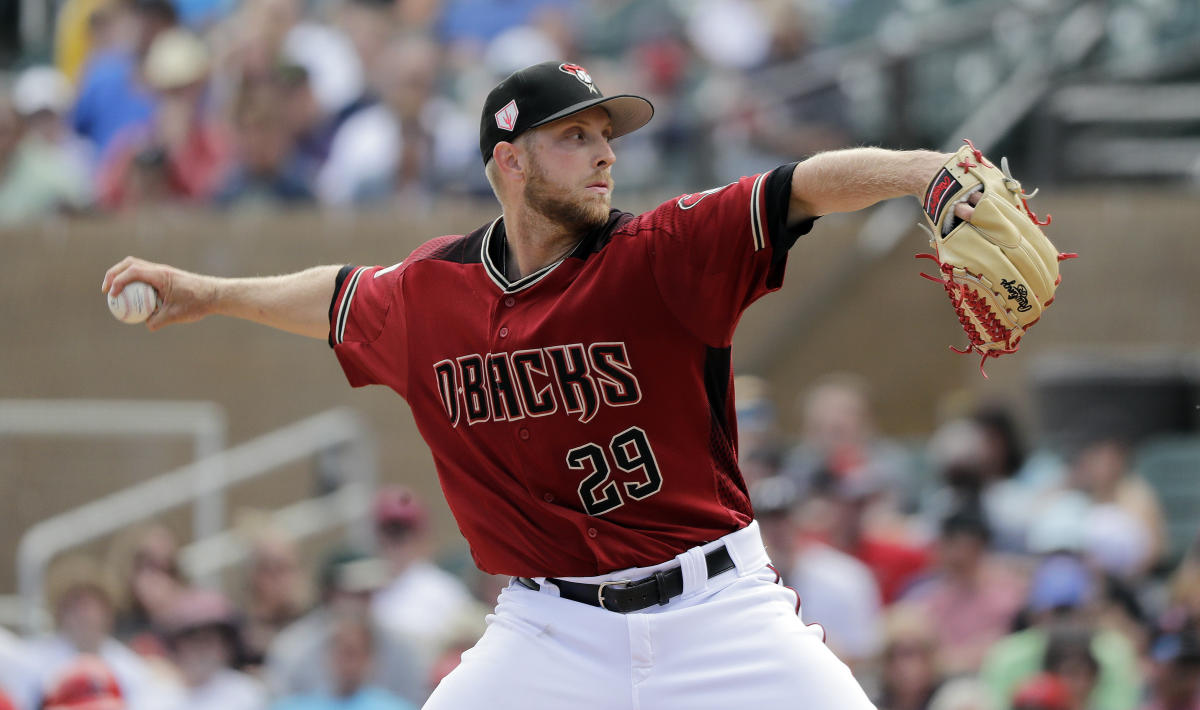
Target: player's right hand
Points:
(183, 296)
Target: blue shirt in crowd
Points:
(367, 698)
(111, 99)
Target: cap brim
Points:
(627, 112)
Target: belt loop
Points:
(660, 579)
(695, 571)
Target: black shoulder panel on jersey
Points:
(599, 238)
(337, 287)
(778, 194)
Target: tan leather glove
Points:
(998, 268)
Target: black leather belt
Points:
(635, 595)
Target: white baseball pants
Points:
(727, 643)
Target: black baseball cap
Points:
(547, 92)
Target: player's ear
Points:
(508, 159)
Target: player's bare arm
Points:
(855, 178)
(297, 303)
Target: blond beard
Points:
(574, 217)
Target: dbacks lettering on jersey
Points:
(536, 383)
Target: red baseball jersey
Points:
(581, 418)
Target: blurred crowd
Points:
(967, 573)
(961, 572)
(346, 103)
(368, 631)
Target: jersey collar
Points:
(492, 252)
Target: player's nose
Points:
(605, 157)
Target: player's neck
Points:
(534, 242)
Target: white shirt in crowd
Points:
(17, 677)
(424, 602)
(227, 690)
(142, 688)
(839, 592)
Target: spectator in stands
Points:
(839, 441)
(83, 597)
(841, 516)
(1101, 470)
(468, 25)
(758, 428)
(1064, 598)
(86, 684)
(351, 657)
(422, 600)
(203, 637)
(43, 170)
(1044, 691)
(911, 674)
(962, 693)
(268, 169)
(112, 95)
(17, 676)
(1069, 657)
(147, 558)
(277, 591)
(1175, 670)
(298, 659)
(836, 590)
(971, 594)
(184, 153)
(1184, 586)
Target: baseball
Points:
(135, 303)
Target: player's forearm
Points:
(851, 179)
(297, 303)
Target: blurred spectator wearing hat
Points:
(83, 597)
(88, 683)
(183, 154)
(407, 142)
(1064, 598)
(43, 167)
(911, 672)
(422, 600)
(839, 442)
(277, 590)
(1175, 670)
(268, 170)
(298, 661)
(112, 94)
(836, 590)
(203, 638)
(351, 656)
(973, 595)
(146, 558)
(17, 677)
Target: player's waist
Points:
(737, 554)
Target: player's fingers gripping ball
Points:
(999, 269)
(136, 302)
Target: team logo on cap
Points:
(506, 117)
(581, 74)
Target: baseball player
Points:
(569, 366)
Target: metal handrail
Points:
(211, 475)
(204, 422)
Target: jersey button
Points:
(504, 332)
(510, 301)
(549, 497)
(592, 532)
(523, 433)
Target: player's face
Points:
(569, 178)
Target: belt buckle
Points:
(600, 590)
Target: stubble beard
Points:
(573, 216)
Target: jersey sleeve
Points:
(714, 253)
(365, 321)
